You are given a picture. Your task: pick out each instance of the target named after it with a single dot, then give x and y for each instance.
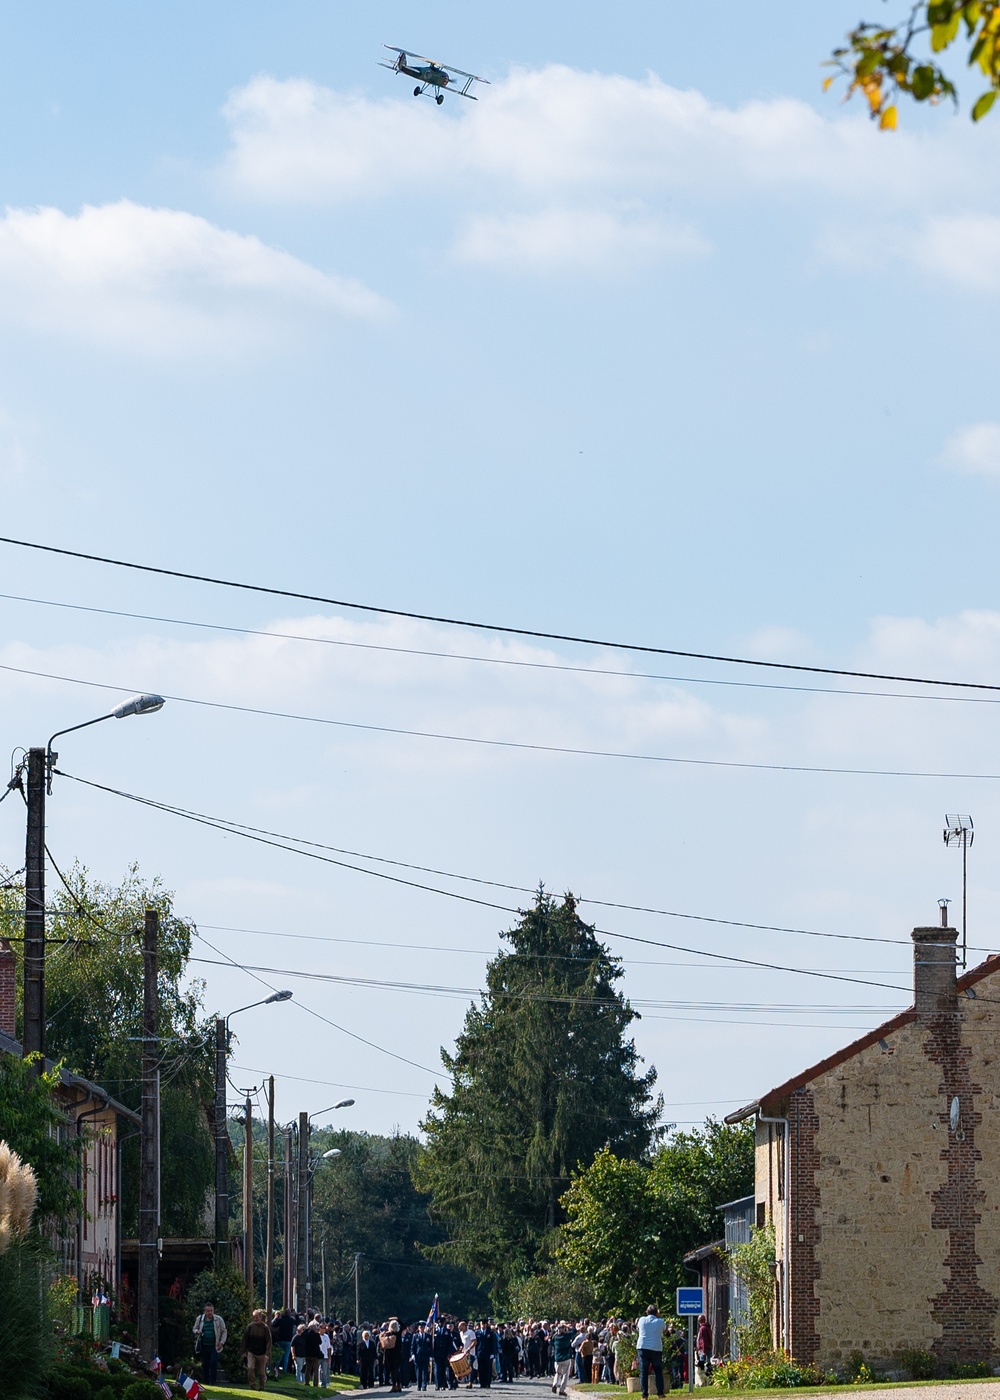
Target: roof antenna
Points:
(958, 832)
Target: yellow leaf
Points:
(827, 82)
(888, 119)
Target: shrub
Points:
(227, 1290)
(754, 1264)
(768, 1371)
(970, 1370)
(918, 1364)
(66, 1386)
(106, 1392)
(142, 1390)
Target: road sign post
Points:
(690, 1304)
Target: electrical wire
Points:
(519, 744)
(220, 824)
(492, 952)
(490, 626)
(309, 1010)
(269, 633)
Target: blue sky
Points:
(656, 342)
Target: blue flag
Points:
(433, 1315)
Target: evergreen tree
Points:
(543, 1077)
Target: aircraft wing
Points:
(448, 68)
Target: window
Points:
(761, 1214)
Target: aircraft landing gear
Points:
(439, 98)
(416, 92)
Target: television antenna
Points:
(958, 832)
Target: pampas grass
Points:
(18, 1196)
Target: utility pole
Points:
(149, 1186)
(302, 1270)
(357, 1292)
(221, 1149)
(33, 1039)
(269, 1244)
(288, 1248)
(248, 1195)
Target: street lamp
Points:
(303, 1272)
(37, 770)
(221, 1131)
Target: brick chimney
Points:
(935, 971)
(8, 980)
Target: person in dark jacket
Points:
(486, 1350)
(306, 1347)
(283, 1331)
(443, 1348)
(508, 1355)
(257, 1350)
(367, 1357)
(420, 1355)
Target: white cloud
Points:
(975, 449)
(575, 238)
(157, 280)
(964, 249)
(557, 128)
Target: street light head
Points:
(278, 996)
(333, 1152)
(139, 705)
(344, 1103)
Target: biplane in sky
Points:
(429, 73)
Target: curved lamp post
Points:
(221, 1131)
(38, 772)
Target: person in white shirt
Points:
(468, 1335)
(326, 1346)
(649, 1344)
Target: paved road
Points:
(521, 1389)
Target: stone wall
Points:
(895, 1218)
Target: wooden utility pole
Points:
(248, 1195)
(302, 1233)
(149, 1184)
(269, 1244)
(33, 1039)
(221, 1149)
(288, 1244)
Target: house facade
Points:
(879, 1169)
(88, 1245)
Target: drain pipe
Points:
(787, 1214)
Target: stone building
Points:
(879, 1169)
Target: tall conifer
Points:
(543, 1078)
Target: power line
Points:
(492, 660)
(491, 952)
(309, 1010)
(557, 998)
(219, 825)
(280, 841)
(490, 626)
(518, 744)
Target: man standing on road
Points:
(562, 1355)
(257, 1350)
(650, 1347)
(210, 1337)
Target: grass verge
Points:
(717, 1393)
(287, 1385)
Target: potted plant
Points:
(627, 1360)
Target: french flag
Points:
(189, 1385)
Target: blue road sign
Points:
(690, 1302)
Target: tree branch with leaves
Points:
(886, 62)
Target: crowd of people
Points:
(446, 1352)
